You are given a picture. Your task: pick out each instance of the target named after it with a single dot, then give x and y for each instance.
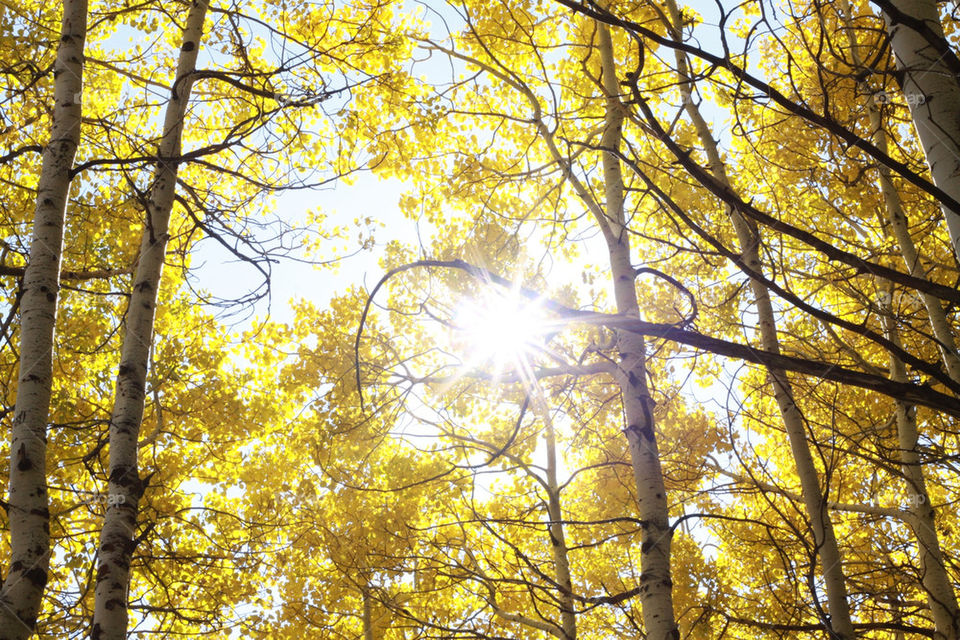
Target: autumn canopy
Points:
(546, 319)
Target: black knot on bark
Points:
(125, 475)
(646, 431)
(37, 577)
(23, 460)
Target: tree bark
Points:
(367, 613)
(29, 514)
(941, 597)
(656, 586)
(558, 542)
(926, 63)
(814, 495)
(117, 540)
(896, 215)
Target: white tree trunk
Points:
(117, 539)
(896, 216)
(932, 92)
(941, 597)
(29, 515)
(656, 586)
(933, 572)
(813, 494)
(558, 541)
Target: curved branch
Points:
(676, 285)
(920, 394)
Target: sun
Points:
(501, 327)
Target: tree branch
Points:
(920, 394)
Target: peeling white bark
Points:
(932, 93)
(29, 515)
(117, 538)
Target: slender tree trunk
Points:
(656, 586)
(932, 91)
(814, 495)
(896, 216)
(29, 511)
(933, 572)
(367, 613)
(117, 539)
(941, 597)
(558, 542)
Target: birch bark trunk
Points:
(28, 511)
(117, 538)
(367, 613)
(814, 495)
(932, 91)
(656, 586)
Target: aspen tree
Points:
(656, 585)
(813, 492)
(930, 71)
(941, 597)
(126, 487)
(28, 509)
